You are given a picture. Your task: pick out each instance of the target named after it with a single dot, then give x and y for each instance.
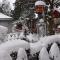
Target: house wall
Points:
(7, 24)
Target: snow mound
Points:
(21, 54)
(54, 51)
(14, 45)
(43, 54)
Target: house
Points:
(6, 21)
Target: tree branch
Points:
(56, 1)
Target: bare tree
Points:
(6, 7)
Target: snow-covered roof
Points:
(4, 17)
(40, 3)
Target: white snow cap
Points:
(40, 3)
(21, 54)
(41, 20)
(54, 51)
(44, 54)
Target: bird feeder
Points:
(40, 7)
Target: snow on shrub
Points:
(22, 54)
(12, 36)
(54, 52)
(43, 54)
(21, 35)
(32, 37)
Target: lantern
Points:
(39, 6)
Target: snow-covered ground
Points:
(41, 46)
(8, 47)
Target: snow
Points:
(14, 36)
(44, 42)
(32, 37)
(57, 9)
(4, 16)
(11, 3)
(39, 3)
(41, 20)
(54, 51)
(11, 36)
(44, 54)
(21, 35)
(21, 54)
(41, 45)
(3, 32)
(35, 47)
(5, 56)
(50, 39)
(36, 15)
(14, 45)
